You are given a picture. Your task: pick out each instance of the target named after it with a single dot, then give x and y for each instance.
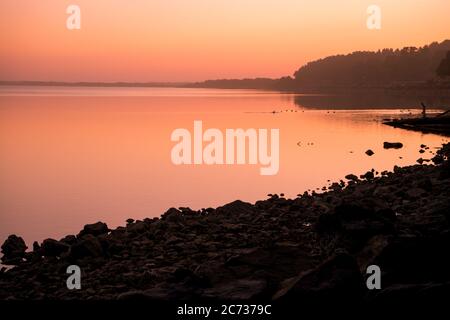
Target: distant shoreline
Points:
(94, 84)
(440, 90)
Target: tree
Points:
(444, 67)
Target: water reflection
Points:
(71, 158)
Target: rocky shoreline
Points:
(315, 247)
(438, 125)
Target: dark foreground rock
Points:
(13, 249)
(313, 248)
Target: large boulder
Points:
(172, 215)
(53, 248)
(13, 249)
(69, 239)
(94, 229)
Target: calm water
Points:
(71, 156)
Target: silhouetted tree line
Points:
(380, 68)
(443, 70)
(384, 68)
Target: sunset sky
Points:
(180, 40)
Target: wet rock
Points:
(370, 153)
(53, 248)
(94, 229)
(392, 145)
(13, 249)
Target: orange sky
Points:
(186, 40)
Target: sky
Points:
(180, 40)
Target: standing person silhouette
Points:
(424, 110)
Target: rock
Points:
(70, 239)
(53, 248)
(94, 229)
(425, 184)
(138, 295)
(338, 278)
(438, 159)
(412, 259)
(137, 227)
(172, 215)
(383, 191)
(370, 153)
(161, 293)
(373, 248)
(351, 177)
(282, 257)
(242, 289)
(237, 207)
(392, 145)
(415, 193)
(13, 249)
(272, 264)
(421, 151)
(36, 247)
(412, 293)
(327, 222)
(368, 175)
(358, 222)
(89, 246)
